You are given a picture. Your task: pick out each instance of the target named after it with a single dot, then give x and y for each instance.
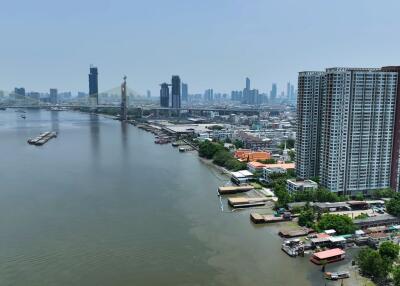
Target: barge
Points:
(42, 138)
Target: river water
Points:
(103, 205)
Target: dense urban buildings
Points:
(175, 92)
(93, 86)
(346, 131)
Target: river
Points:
(103, 205)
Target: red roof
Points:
(323, 235)
(329, 253)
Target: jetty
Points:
(42, 138)
(260, 218)
(243, 202)
(234, 189)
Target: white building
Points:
(346, 128)
(303, 185)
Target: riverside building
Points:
(348, 125)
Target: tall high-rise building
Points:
(19, 91)
(288, 90)
(346, 128)
(148, 94)
(308, 124)
(247, 83)
(176, 92)
(274, 92)
(53, 96)
(93, 86)
(209, 95)
(164, 95)
(184, 92)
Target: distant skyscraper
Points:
(19, 91)
(288, 90)
(348, 128)
(184, 92)
(274, 92)
(53, 96)
(148, 93)
(93, 86)
(247, 83)
(292, 94)
(209, 95)
(176, 92)
(164, 95)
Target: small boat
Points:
(23, 116)
(337, 275)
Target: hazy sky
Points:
(209, 43)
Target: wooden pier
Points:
(234, 189)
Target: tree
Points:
(238, 144)
(323, 195)
(359, 196)
(396, 276)
(389, 250)
(341, 223)
(307, 217)
(289, 144)
(268, 161)
(372, 264)
(221, 157)
(292, 155)
(393, 206)
(384, 193)
(208, 149)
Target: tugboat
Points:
(23, 116)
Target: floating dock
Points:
(42, 138)
(243, 202)
(259, 218)
(234, 189)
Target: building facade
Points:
(53, 96)
(184, 92)
(93, 86)
(308, 124)
(176, 92)
(354, 131)
(164, 95)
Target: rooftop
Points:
(329, 253)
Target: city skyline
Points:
(267, 46)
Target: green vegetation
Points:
(377, 264)
(393, 206)
(341, 223)
(319, 195)
(389, 250)
(359, 197)
(238, 144)
(220, 155)
(268, 161)
(396, 275)
(307, 216)
(215, 127)
(361, 216)
(292, 155)
(384, 193)
(289, 144)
